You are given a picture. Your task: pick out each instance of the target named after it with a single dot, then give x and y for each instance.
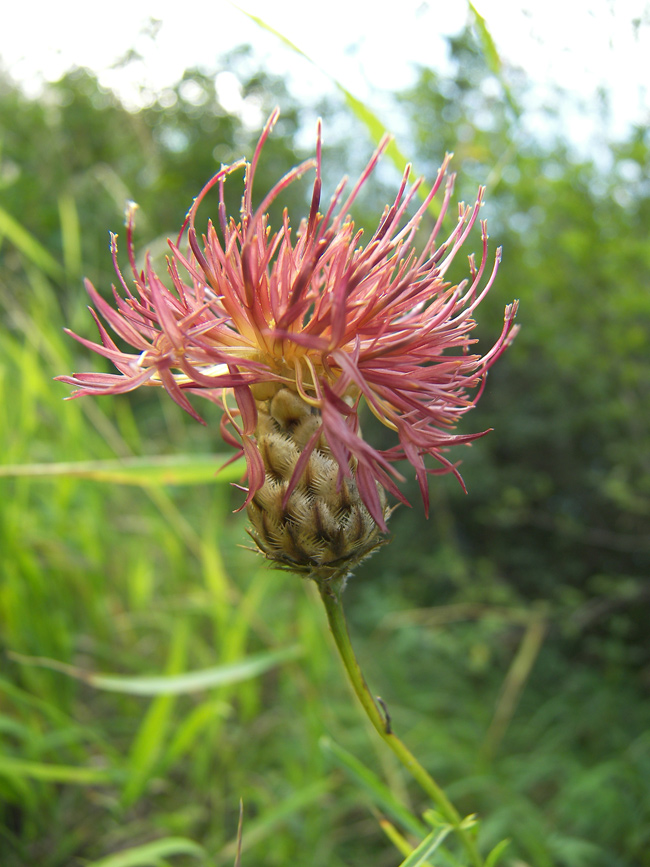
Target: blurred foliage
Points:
(508, 634)
(79, 144)
(560, 493)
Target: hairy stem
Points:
(330, 592)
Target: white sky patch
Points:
(581, 45)
(229, 92)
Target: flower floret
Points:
(253, 312)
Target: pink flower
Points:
(338, 323)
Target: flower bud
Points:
(322, 528)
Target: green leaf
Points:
(380, 794)
(175, 684)
(28, 245)
(151, 853)
(267, 823)
(188, 731)
(487, 43)
(493, 858)
(427, 847)
(152, 733)
(368, 118)
(70, 235)
(492, 56)
(159, 470)
(55, 773)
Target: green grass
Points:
(131, 581)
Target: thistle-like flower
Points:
(293, 336)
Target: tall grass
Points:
(134, 580)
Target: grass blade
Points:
(380, 794)
(70, 236)
(368, 118)
(28, 245)
(496, 853)
(144, 471)
(172, 684)
(151, 853)
(152, 733)
(492, 57)
(427, 847)
(267, 823)
(55, 773)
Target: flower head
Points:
(326, 319)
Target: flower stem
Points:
(330, 592)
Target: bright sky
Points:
(579, 44)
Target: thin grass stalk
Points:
(331, 592)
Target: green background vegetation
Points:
(508, 634)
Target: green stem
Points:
(330, 592)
